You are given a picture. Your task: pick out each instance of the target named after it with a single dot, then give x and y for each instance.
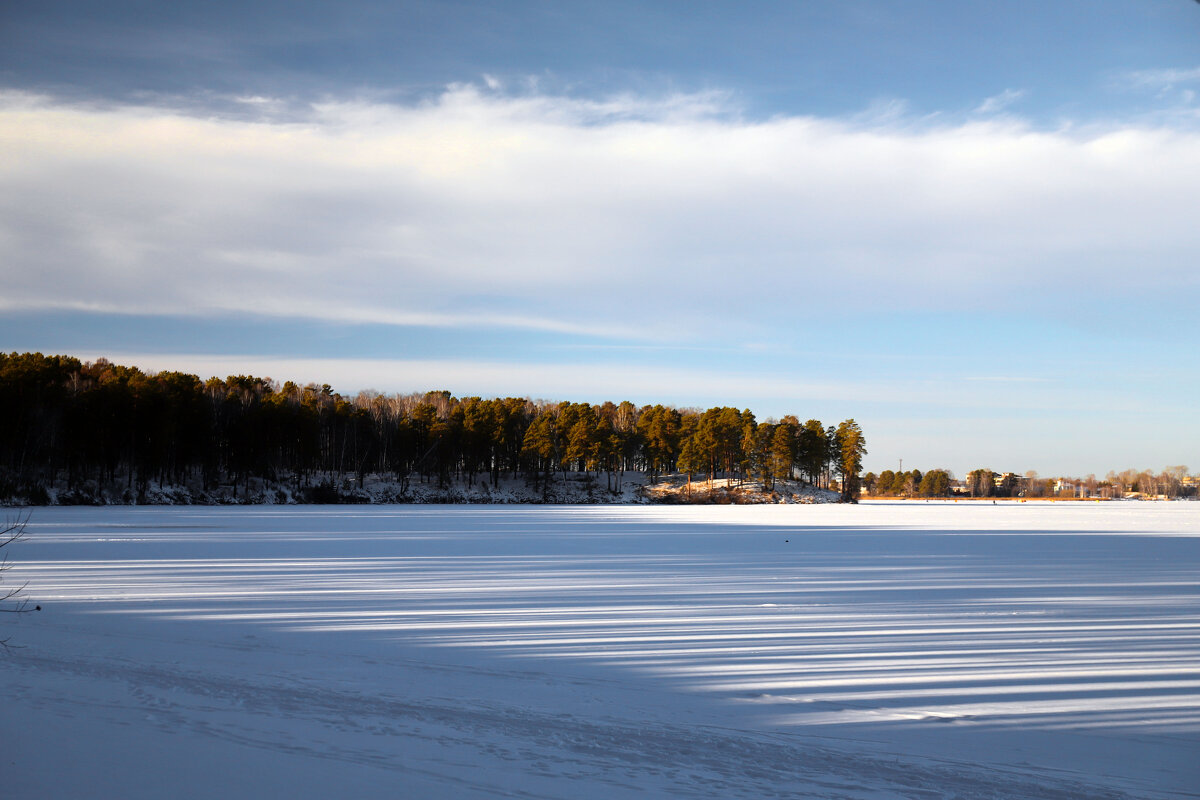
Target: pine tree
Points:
(851, 447)
(690, 460)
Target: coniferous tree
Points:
(812, 451)
(690, 460)
(784, 441)
(935, 483)
(851, 447)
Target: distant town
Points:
(1172, 483)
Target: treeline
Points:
(1169, 484)
(64, 422)
(941, 483)
(909, 483)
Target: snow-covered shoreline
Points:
(597, 488)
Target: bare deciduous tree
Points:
(10, 601)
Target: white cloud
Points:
(1162, 78)
(1000, 101)
(650, 216)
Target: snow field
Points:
(884, 650)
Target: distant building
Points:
(1008, 484)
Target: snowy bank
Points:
(572, 488)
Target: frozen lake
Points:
(888, 650)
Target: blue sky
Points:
(970, 226)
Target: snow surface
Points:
(887, 650)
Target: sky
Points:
(968, 226)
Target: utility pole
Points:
(902, 465)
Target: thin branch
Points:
(13, 531)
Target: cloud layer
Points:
(629, 217)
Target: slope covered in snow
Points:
(874, 651)
(570, 488)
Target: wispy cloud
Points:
(1174, 89)
(999, 102)
(1162, 78)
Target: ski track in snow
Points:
(883, 651)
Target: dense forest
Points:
(82, 425)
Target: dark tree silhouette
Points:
(101, 432)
